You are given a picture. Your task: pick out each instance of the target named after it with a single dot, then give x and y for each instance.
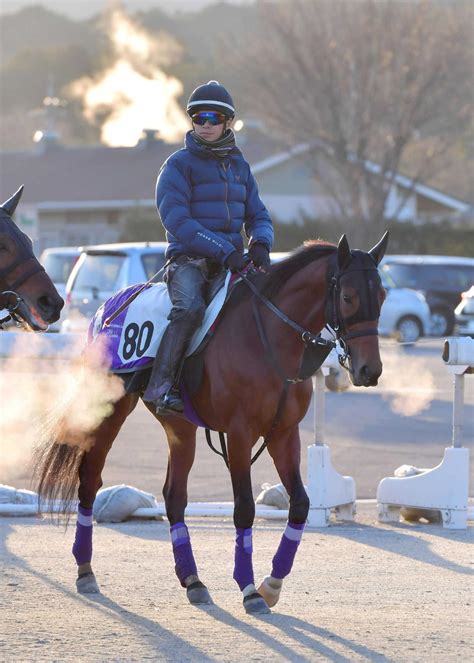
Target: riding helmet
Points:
(212, 96)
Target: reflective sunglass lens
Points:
(211, 117)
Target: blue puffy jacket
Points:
(204, 201)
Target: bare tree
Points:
(364, 81)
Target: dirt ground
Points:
(358, 592)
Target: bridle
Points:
(336, 324)
(13, 298)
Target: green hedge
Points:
(429, 238)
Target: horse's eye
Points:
(3, 247)
(346, 299)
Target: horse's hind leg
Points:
(90, 480)
(182, 445)
(285, 451)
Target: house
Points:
(86, 195)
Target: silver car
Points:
(104, 269)
(405, 313)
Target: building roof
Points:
(401, 180)
(95, 176)
(89, 174)
(91, 177)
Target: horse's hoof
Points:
(87, 584)
(270, 593)
(254, 604)
(198, 594)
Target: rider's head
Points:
(211, 110)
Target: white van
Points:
(104, 269)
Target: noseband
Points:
(13, 298)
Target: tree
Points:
(363, 82)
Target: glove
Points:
(235, 262)
(259, 255)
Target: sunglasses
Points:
(208, 116)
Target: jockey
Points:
(205, 194)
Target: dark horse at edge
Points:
(26, 291)
(255, 354)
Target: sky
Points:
(82, 9)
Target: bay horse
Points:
(26, 291)
(240, 393)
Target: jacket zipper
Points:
(225, 198)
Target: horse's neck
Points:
(302, 297)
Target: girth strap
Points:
(276, 420)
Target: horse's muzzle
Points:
(366, 376)
(49, 307)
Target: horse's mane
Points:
(278, 274)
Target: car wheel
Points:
(409, 329)
(441, 323)
(337, 380)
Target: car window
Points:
(58, 267)
(460, 278)
(99, 271)
(403, 276)
(152, 262)
(387, 280)
(430, 277)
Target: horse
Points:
(247, 391)
(26, 291)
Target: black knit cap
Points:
(212, 96)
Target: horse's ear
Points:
(343, 253)
(378, 251)
(9, 206)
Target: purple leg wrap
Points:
(183, 553)
(82, 548)
(243, 569)
(285, 555)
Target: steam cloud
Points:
(133, 92)
(38, 393)
(407, 383)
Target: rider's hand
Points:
(259, 255)
(236, 262)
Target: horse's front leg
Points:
(285, 451)
(244, 515)
(182, 444)
(90, 480)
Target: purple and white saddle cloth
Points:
(133, 338)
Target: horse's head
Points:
(25, 288)
(353, 309)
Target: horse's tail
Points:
(56, 462)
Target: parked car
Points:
(104, 269)
(405, 313)
(58, 263)
(464, 313)
(442, 279)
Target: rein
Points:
(315, 345)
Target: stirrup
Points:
(170, 403)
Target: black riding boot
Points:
(162, 389)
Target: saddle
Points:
(133, 337)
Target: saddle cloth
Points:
(133, 338)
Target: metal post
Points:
(458, 409)
(319, 386)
